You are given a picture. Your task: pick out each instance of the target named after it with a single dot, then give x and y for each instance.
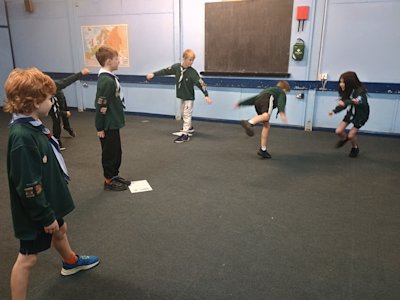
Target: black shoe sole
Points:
(262, 155)
(340, 144)
(122, 187)
(181, 141)
(354, 153)
(70, 132)
(126, 182)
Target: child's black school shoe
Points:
(264, 154)
(247, 127)
(354, 152)
(341, 143)
(122, 180)
(181, 139)
(84, 263)
(70, 131)
(115, 185)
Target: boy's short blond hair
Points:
(24, 88)
(284, 85)
(189, 53)
(105, 52)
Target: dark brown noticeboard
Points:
(250, 36)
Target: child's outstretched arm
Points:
(63, 83)
(172, 70)
(341, 106)
(282, 114)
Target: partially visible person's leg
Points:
(264, 106)
(264, 135)
(56, 125)
(61, 244)
(264, 117)
(72, 263)
(187, 115)
(264, 140)
(111, 153)
(352, 136)
(341, 132)
(67, 127)
(248, 125)
(20, 275)
(187, 110)
(111, 157)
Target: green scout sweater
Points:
(278, 94)
(361, 110)
(59, 96)
(38, 191)
(67, 81)
(185, 80)
(108, 103)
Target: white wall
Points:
(363, 36)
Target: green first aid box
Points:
(298, 50)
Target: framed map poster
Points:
(115, 36)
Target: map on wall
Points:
(115, 36)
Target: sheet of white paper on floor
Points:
(140, 186)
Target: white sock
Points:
(251, 122)
(263, 148)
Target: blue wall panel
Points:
(360, 35)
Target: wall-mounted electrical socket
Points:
(323, 76)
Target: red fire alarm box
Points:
(301, 16)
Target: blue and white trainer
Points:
(84, 263)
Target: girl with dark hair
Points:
(353, 96)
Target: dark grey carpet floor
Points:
(220, 223)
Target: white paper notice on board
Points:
(140, 186)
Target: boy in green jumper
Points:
(59, 111)
(110, 118)
(265, 102)
(37, 178)
(186, 77)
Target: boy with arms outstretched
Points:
(269, 99)
(59, 112)
(186, 78)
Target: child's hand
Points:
(283, 117)
(356, 101)
(52, 228)
(68, 114)
(208, 100)
(85, 71)
(236, 105)
(101, 134)
(331, 113)
(150, 76)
